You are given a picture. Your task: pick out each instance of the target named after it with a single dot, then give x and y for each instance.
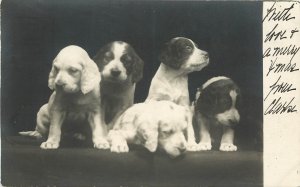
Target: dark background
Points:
(34, 31)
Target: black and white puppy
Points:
(121, 68)
(218, 103)
(179, 57)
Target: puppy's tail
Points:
(33, 134)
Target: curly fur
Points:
(155, 125)
(75, 79)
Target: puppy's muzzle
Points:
(59, 83)
(233, 122)
(182, 148)
(205, 55)
(115, 72)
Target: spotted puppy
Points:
(121, 68)
(75, 79)
(158, 124)
(179, 57)
(217, 103)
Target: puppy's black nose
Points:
(115, 72)
(233, 122)
(60, 84)
(182, 147)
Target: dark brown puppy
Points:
(218, 103)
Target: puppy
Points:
(217, 103)
(157, 124)
(179, 57)
(75, 79)
(121, 68)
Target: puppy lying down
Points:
(155, 125)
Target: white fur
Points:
(212, 80)
(118, 50)
(230, 114)
(153, 124)
(197, 61)
(172, 85)
(76, 81)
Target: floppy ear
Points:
(52, 76)
(90, 76)
(163, 56)
(150, 137)
(167, 56)
(138, 67)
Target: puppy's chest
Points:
(177, 89)
(82, 105)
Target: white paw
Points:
(227, 147)
(204, 146)
(192, 147)
(101, 144)
(119, 148)
(49, 145)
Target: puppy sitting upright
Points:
(179, 57)
(121, 68)
(75, 79)
(217, 103)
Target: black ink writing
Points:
(278, 107)
(273, 14)
(286, 50)
(273, 34)
(282, 87)
(293, 32)
(279, 51)
(281, 67)
(281, 58)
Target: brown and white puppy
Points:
(75, 79)
(155, 125)
(121, 68)
(179, 57)
(218, 103)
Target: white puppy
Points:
(75, 79)
(157, 124)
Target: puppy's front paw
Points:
(101, 144)
(192, 146)
(49, 145)
(119, 147)
(227, 147)
(204, 146)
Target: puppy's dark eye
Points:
(188, 48)
(167, 132)
(108, 56)
(73, 70)
(128, 58)
(55, 68)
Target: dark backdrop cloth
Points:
(34, 31)
(77, 165)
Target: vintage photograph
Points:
(131, 93)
